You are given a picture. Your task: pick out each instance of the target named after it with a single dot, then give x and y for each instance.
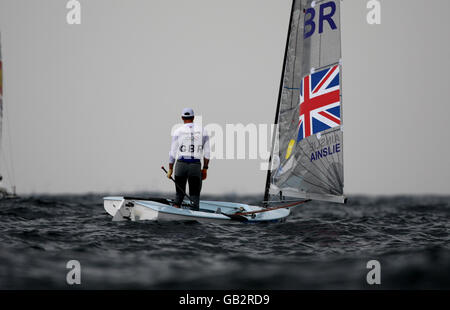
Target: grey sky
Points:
(90, 106)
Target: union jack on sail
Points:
(320, 104)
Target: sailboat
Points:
(306, 160)
(4, 193)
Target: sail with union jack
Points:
(320, 104)
(307, 156)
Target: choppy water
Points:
(321, 246)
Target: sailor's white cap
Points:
(187, 112)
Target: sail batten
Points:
(307, 155)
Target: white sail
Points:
(4, 193)
(1, 93)
(308, 160)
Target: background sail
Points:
(1, 92)
(307, 159)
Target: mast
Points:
(280, 91)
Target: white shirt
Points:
(189, 141)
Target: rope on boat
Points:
(274, 208)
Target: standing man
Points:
(190, 143)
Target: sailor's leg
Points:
(180, 180)
(194, 191)
(195, 184)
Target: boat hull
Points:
(134, 209)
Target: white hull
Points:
(210, 211)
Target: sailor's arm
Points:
(205, 163)
(172, 154)
(206, 155)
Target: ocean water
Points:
(320, 246)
